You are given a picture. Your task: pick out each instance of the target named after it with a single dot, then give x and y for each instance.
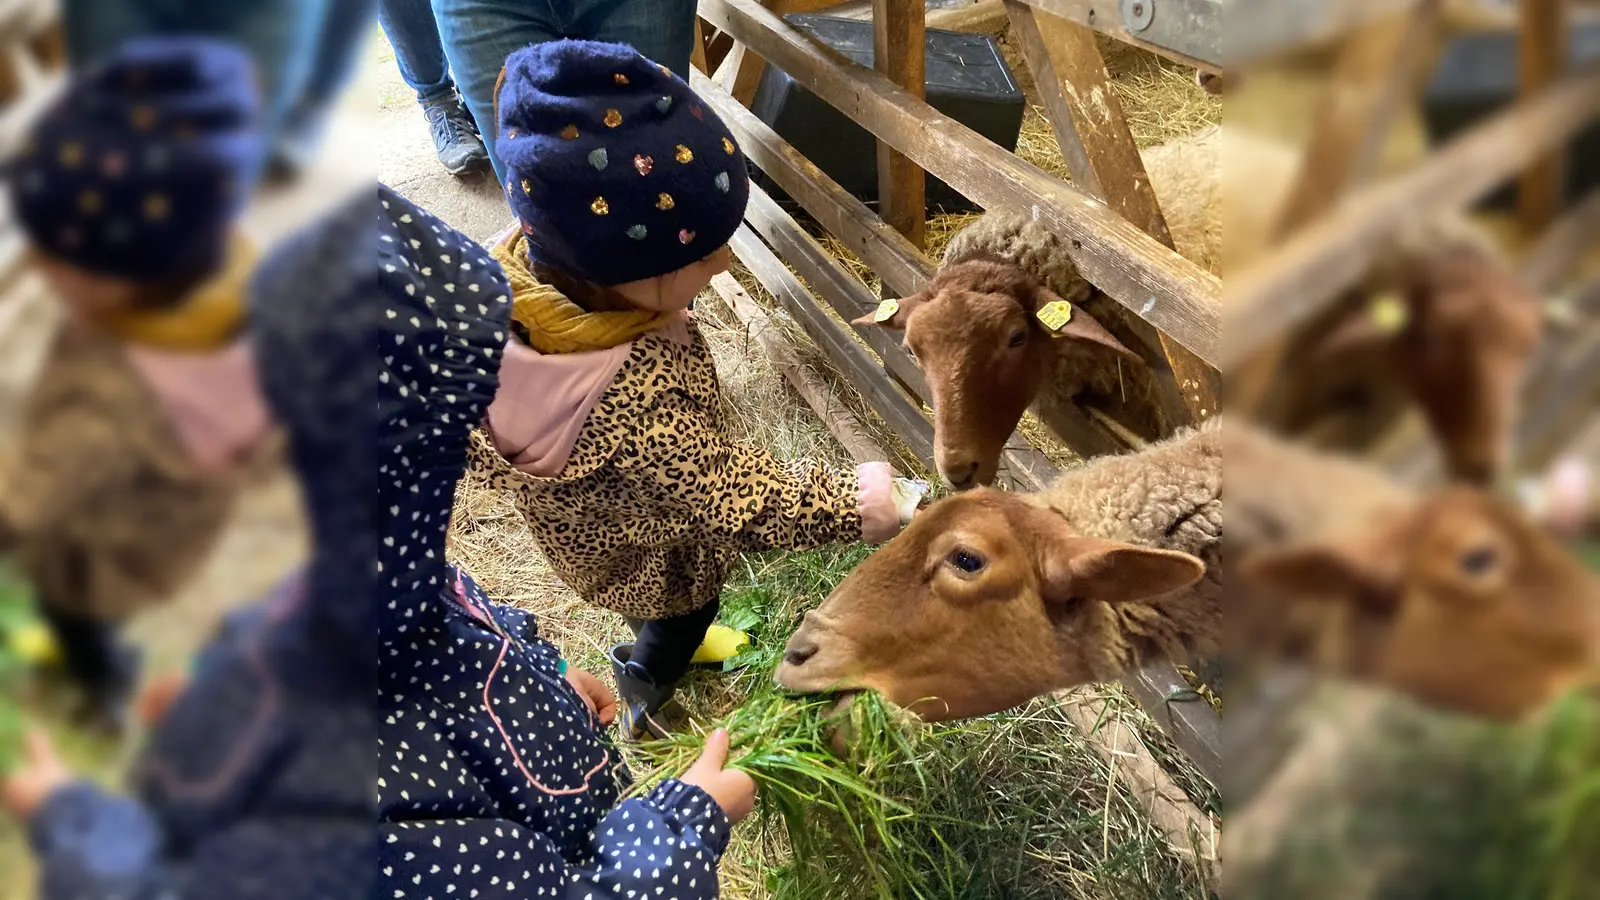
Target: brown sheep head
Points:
(1460, 602)
(1469, 332)
(975, 333)
(985, 601)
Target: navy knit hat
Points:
(139, 168)
(617, 169)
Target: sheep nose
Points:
(799, 651)
(964, 481)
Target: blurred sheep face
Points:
(1472, 608)
(985, 601)
(1464, 352)
(974, 333)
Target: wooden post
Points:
(899, 42)
(1541, 59)
(1099, 150)
(697, 56)
(741, 69)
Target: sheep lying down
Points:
(990, 598)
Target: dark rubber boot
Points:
(639, 698)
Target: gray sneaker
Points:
(454, 136)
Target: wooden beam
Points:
(899, 51)
(1563, 245)
(904, 416)
(983, 17)
(1541, 59)
(806, 381)
(1323, 260)
(1165, 289)
(1087, 116)
(902, 266)
(1376, 70)
(1563, 392)
(697, 56)
(1185, 31)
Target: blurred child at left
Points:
(145, 422)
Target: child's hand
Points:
(158, 697)
(595, 695)
(42, 773)
(734, 791)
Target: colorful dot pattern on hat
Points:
(136, 170)
(578, 106)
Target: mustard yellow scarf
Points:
(554, 323)
(207, 319)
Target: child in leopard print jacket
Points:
(609, 426)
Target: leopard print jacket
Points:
(98, 500)
(658, 498)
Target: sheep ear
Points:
(1363, 572)
(890, 314)
(1080, 326)
(1113, 571)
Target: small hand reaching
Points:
(40, 774)
(734, 791)
(595, 695)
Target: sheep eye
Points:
(1478, 562)
(1018, 338)
(967, 561)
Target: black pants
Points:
(665, 646)
(94, 656)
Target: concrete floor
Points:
(405, 156)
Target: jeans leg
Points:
(279, 35)
(661, 30)
(478, 35)
(666, 646)
(338, 46)
(418, 51)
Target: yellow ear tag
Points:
(886, 311)
(1055, 316)
(1389, 313)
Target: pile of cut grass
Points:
(16, 613)
(1011, 806)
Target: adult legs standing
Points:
(413, 32)
(280, 35)
(340, 39)
(478, 35)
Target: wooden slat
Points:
(1541, 59)
(1188, 719)
(697, 56)
(806, 381)
(1563, 245)
(904, 417)
(1185, 31)
(899, 46)
(1167, 290)
(902, 266)
(1087, 116)
(1563, 393)
(1323, 260)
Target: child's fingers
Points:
(715, 754)
(39, 748)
